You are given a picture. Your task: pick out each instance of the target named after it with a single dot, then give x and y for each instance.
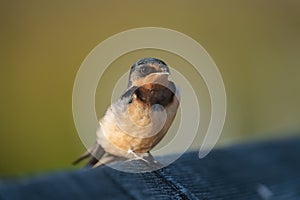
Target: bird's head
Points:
(148, 70)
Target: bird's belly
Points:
(123, 141)
(137, 129)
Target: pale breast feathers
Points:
(141, 124)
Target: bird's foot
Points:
(136, 156)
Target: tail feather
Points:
(87, 154)
(95, 153)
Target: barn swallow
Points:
(139, 119)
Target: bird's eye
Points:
(145, 70)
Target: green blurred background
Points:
(255, 44)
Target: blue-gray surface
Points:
(266, 170)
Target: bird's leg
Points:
(150, 158)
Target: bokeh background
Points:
(255, 44)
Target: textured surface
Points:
(268, 170)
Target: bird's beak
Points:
(162, 73)
(158, 78)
